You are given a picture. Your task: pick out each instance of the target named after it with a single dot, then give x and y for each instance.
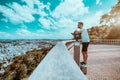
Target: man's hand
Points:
(77, 32)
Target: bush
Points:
(24, 65)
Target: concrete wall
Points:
(58, 65)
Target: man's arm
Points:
(77, 32)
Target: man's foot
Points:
(83, 64)
(83, 67)
(85, 70)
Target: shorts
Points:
(85, 46)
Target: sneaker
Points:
(82, 63)
(83, 67)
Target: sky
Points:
(49, 19)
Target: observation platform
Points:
(103, 62)
(59, 64)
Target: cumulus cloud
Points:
(17, 13)
(93, 20)
(23, 11)
(71, 9)
(40, 7)
(5, 35)
(4, 20)
(65, 15)
(16, 16)
(97, 1)
(64, 22)
(61, 34)
(46, 23)
(58, 23)
(39, 34)
(9, 14)
(25, 33)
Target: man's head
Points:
(80, 24)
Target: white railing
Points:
(58, 65)
(105, 41)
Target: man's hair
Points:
(80, 23)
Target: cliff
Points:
(110, 25)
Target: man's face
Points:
(80, 25)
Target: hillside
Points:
(99, 32)
(22, 66)
(110, 25)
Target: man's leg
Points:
(85, 56)
(84, 52)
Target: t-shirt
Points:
(84, 35)
(78, 29)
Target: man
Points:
(85, 41)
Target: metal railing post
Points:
(77, 52)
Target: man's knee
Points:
(84, 52)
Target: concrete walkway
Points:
(103, 62)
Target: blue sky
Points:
(49, 19)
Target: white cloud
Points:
(66, 18)
(60, 34)
(26, 34)
(4, 19)
(70, 9)
(10, 14)
(17, 13)
(46, 23)
(63, 19)
(4, 35)
(23, 11)
(39, 34)
(65, 15)
(101, 3)
(40, 6)
(98, 2)
(23, 32)
(93, 20)
(40, 31)
(65, 23)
